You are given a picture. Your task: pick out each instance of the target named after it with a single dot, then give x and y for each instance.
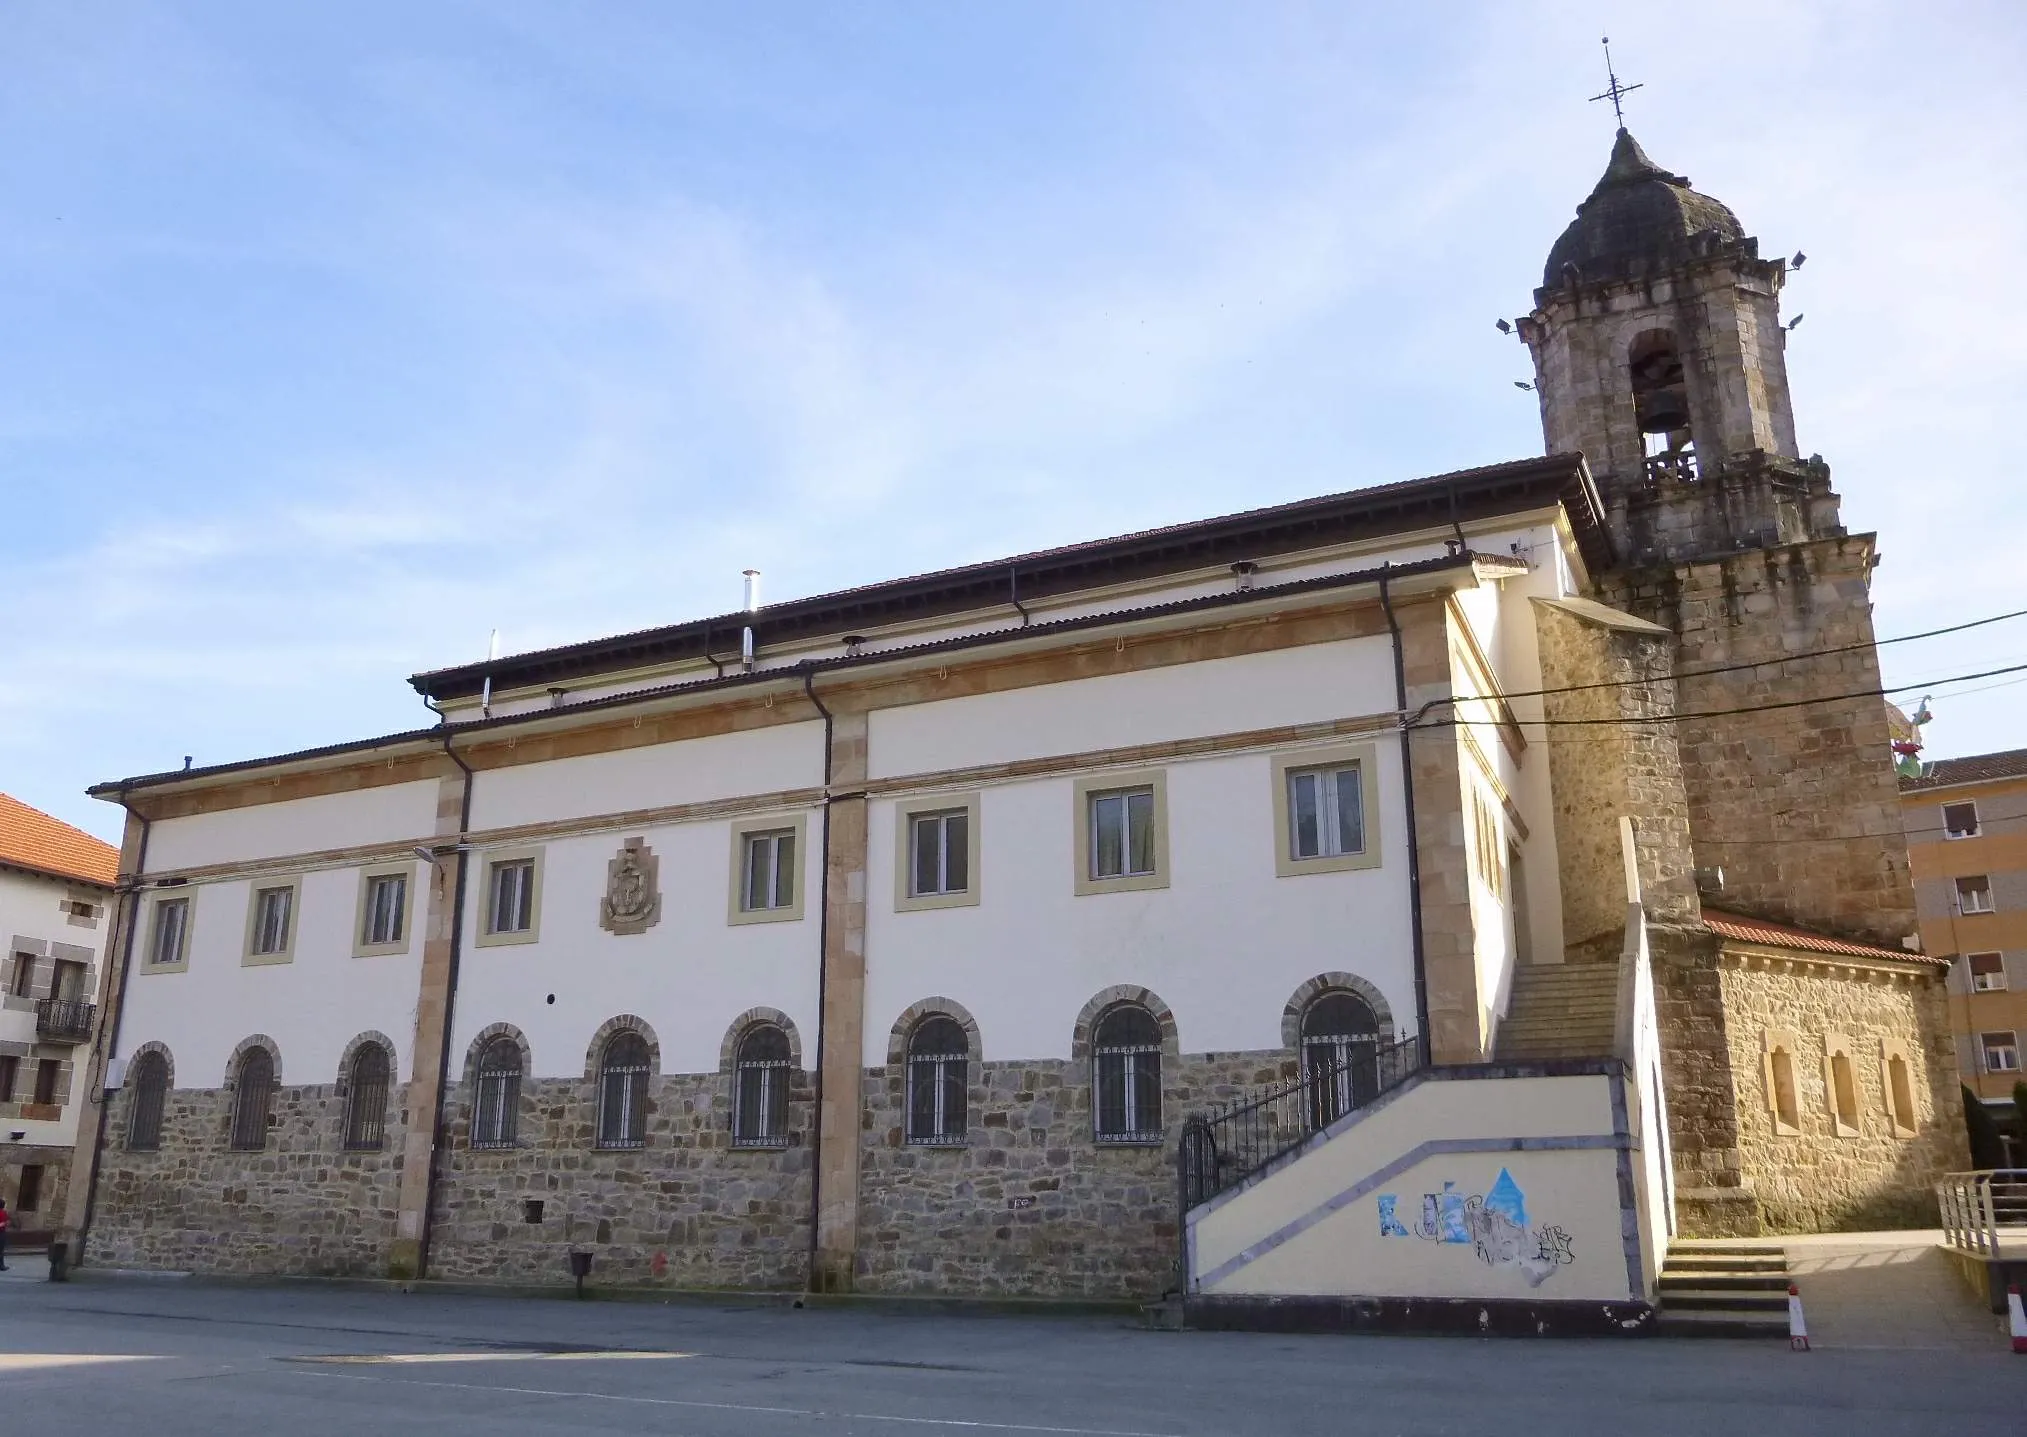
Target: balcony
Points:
(1677, 466)
(64, 1020)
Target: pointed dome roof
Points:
(1638, 220)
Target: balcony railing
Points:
(1677, 466)
(64, 1020)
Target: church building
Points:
(1252, 906)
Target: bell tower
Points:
(1659, 355)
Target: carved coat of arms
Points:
(633, 895)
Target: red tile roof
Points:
(1973, 768)
(1785, 935)
(30, 838)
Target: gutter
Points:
(457, 924)
(1408, 801)
(823, 921)
(110, 1033)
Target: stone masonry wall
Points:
(686, 1210)
(1711, 1195)
(1601, 770)
(1094, 1220)
(1798, 805)
(303, 1206)
(47, 1217)
(1817, 1181)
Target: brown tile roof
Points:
(1975, 768)
(1786, 935)
(30, 838)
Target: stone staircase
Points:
(1713, 1288)
(1560, 1010)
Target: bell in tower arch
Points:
(1661, 406)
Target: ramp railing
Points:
(1983, 1209)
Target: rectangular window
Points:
(67, 981)
(1326, 812)
(23, 984)
(1960, 820)
(77, 908)
(46, 1073)
(28, 1196)
(172, 930)
(1122, 834)
(1974, 895)
(273, 916)
(10, 1072)
(386, 910)
(2002, 1052)
(511, 906)
(940, 854)
(767, 871)
(1988, 972)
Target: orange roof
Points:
(1785, 935)
(30, 838)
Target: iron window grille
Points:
(1326, 812)
(1340, 1045)
(1122, 834)
(151, 1091)
(496, 1116)
(761, 1075)
(366, 1099)
(940, 853)
(767, 879)
(1126, 1077)
(623, 1092)
(386, 909)
(172, 925)
(510, 907)
(939, 1076)
(252, 1100)
(273, 908)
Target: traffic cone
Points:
(2018, 1317)
(1798, 1330)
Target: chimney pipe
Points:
(752, 603)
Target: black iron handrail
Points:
(64, 1018)
(1222, 1148)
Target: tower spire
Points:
(1615, 91)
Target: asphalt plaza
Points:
(167, 1358)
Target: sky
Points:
(336, 337)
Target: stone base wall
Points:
(687, 1209)
(302, 1206)
(1032, 1205)
(1697, 1079)
(1817, 1180)
(55, 1190)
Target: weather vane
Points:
(1617, 91)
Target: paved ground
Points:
(1888, 1289)
(166, 1358)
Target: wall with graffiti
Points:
(1455, 1187)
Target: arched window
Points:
(1126, 1076)
(496, 1117)
(366, 1099)
(151, 1092)
(623, 1092)
(939, 1072)
(1340, 1055)
(760, 1072)
(1787, 1111)
(252, 1099)
(1661, 405)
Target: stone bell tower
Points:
(1659, 355)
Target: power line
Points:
(1769, 663)
(1698, 714)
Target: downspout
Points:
(457, 924)
(823, 922)
(1013, 593)
(1408, 801)
(111, 1033)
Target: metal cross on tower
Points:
(1616, 91)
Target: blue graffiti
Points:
(1389, 1225)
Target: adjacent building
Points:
(56, 889)
(1966, 822)
(888, 939)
